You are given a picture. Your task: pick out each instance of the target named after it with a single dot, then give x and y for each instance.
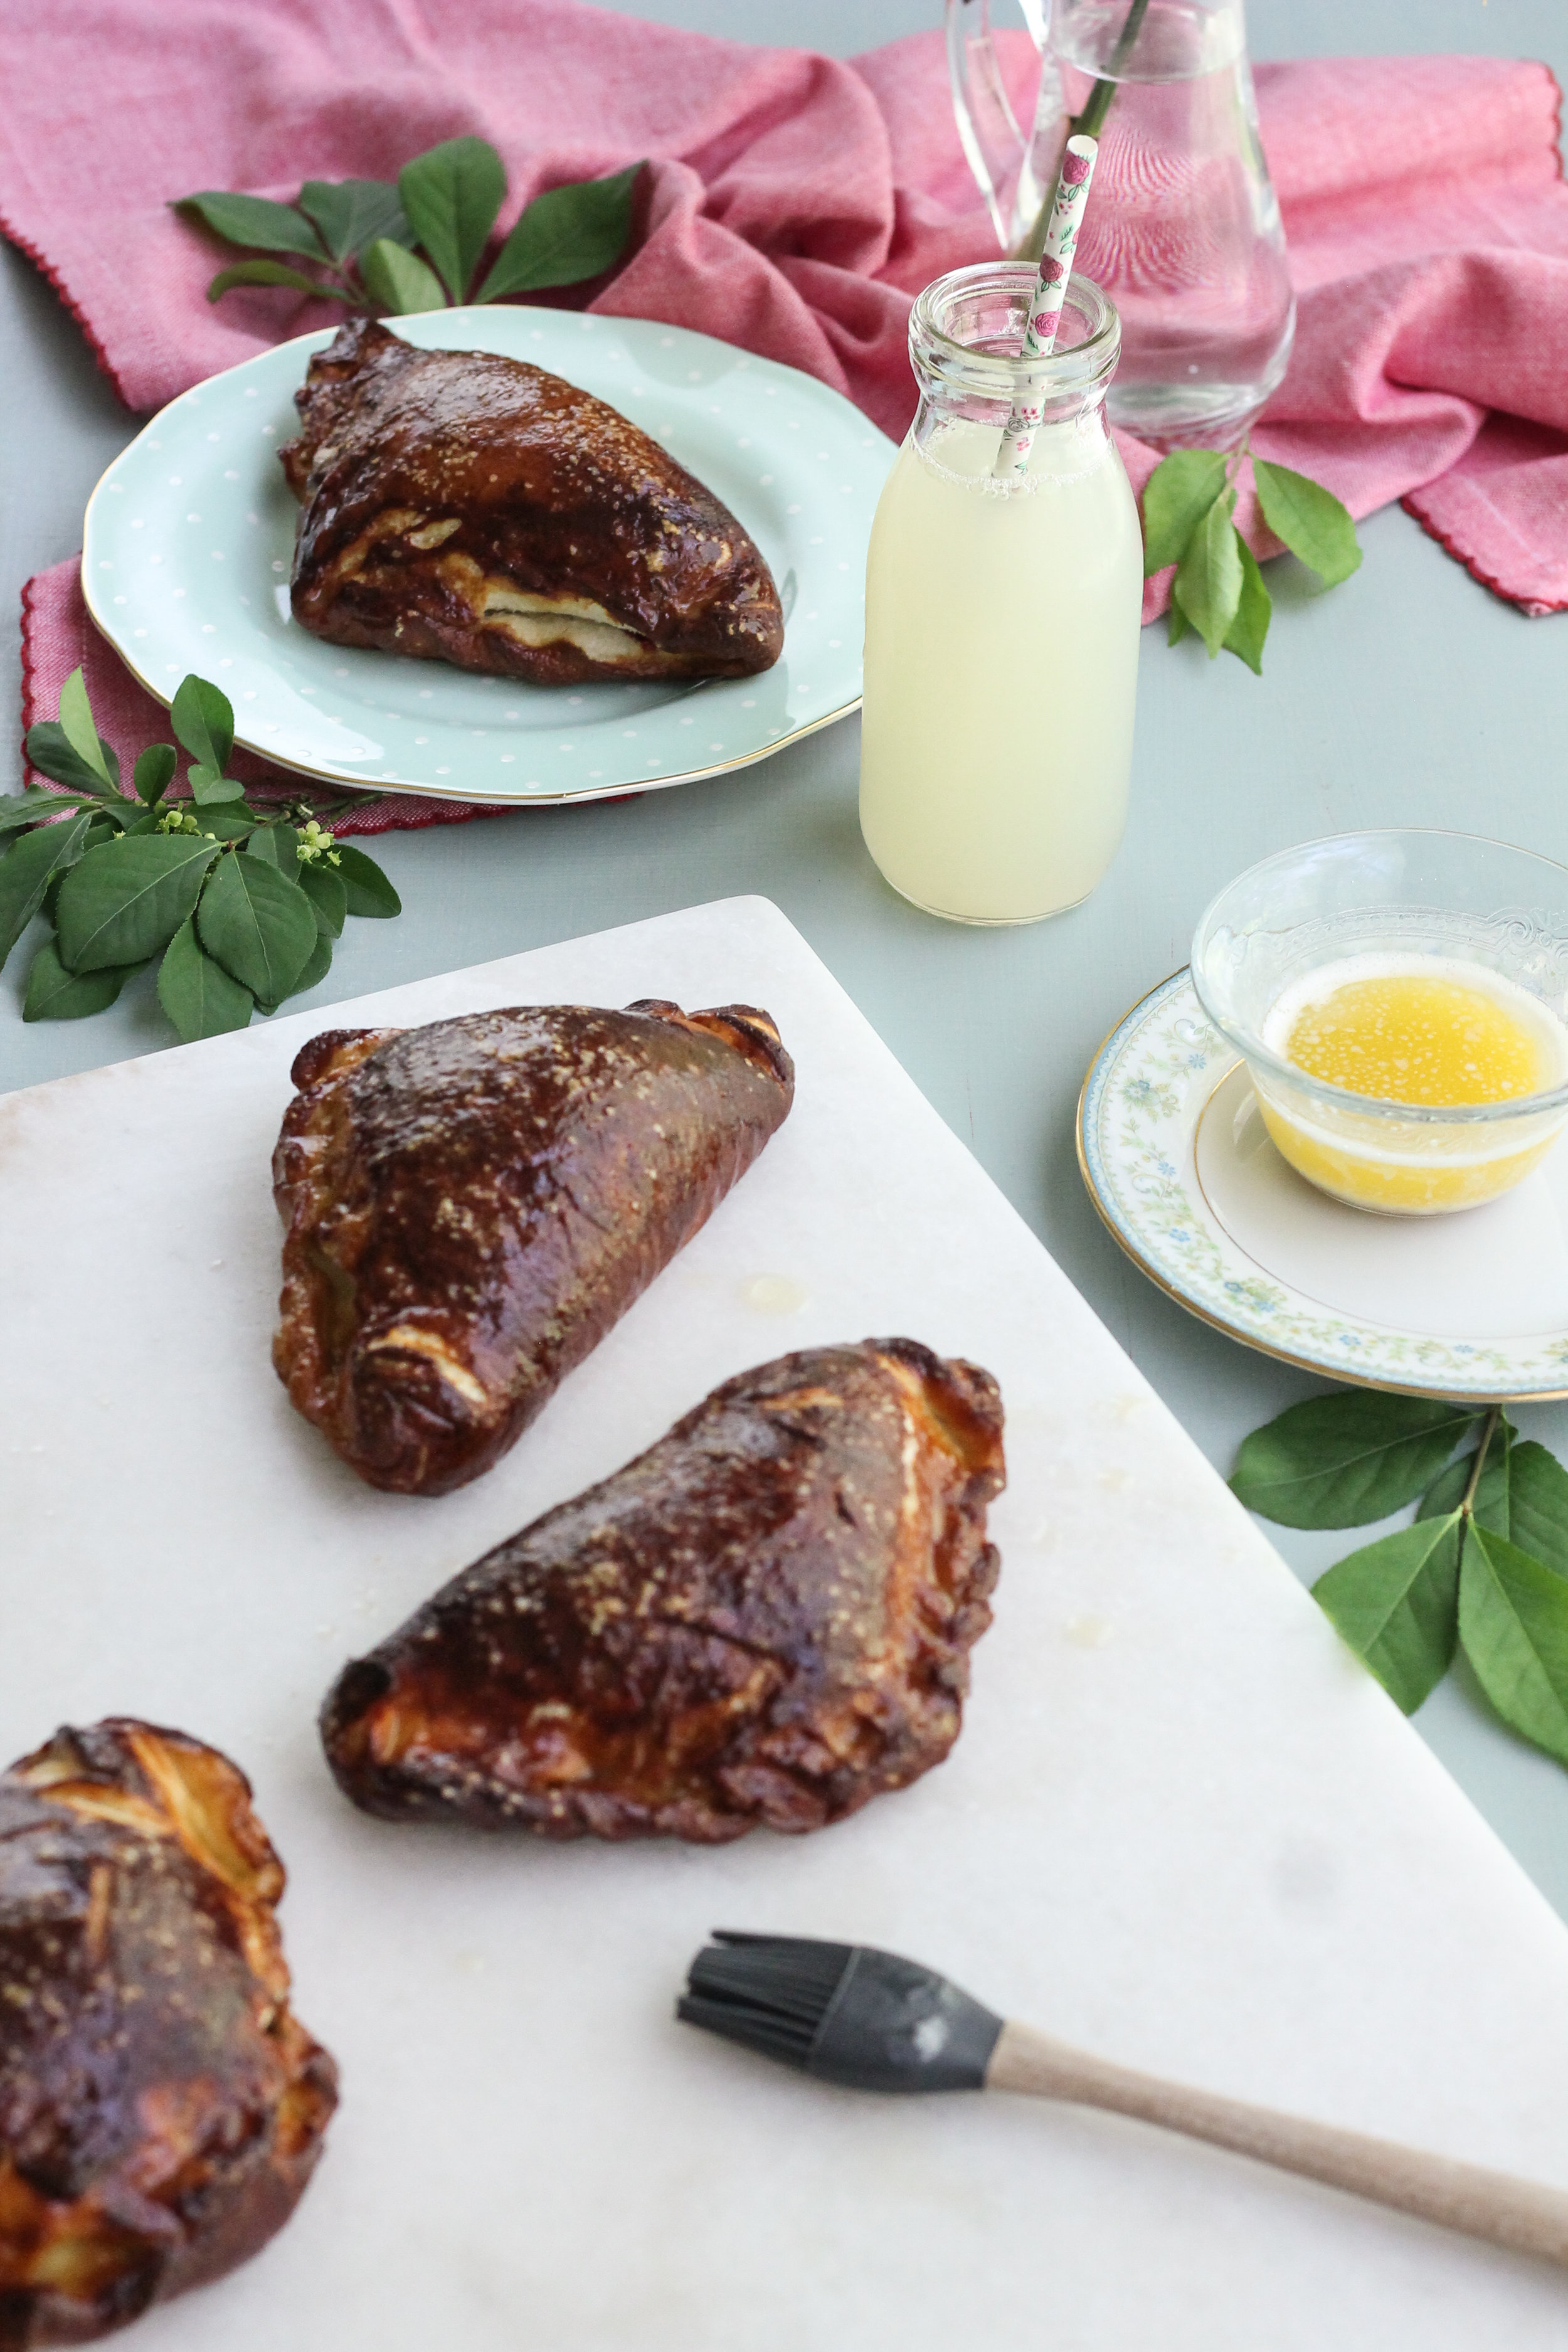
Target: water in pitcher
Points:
(1183, 231)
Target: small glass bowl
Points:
(1399, 892)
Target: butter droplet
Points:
(775, 1294)
(1114, 1480)
(1088, 1633)
(470, 1963)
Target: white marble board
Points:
(1182, 1825)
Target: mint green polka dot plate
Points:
(190, 534)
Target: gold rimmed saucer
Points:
(1178, 1165)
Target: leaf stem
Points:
(301, 811)
(1087, 123)
(1090, 117)
(1489, 1429)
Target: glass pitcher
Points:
(1182, 228)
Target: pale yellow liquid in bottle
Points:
(1002, 626)
(1420, 1030)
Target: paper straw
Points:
(1045, 304)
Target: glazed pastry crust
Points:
(469, 1208)
(161, 2108)
(465, 508)
(765, 1619)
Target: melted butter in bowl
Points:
(1412, 1032)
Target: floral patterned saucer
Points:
(1178, 1163)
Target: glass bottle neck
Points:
(966, 332)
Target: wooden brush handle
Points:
(1491, 2205)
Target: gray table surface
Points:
(1408, 695)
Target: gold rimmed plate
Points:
(190, 534)
(1178, 1163)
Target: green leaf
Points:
(56, 994)
(318, 963)
(279, 845)
(26, 870)
(98, 830)
(1396, 1602)
(261, 928)
(368, 889)
(1246, 634)
(155, 771)
(1513, 1623)
(229, 819)
(1309, 520)
(268, 273)
(196, 993)
(210, 788)
(1538, 1505)
(1176, 624)
(399, 281)
(1208, 580)
(1176, 496)
(565, 235)
(26, 808)
(1491, 1497)
(76, 725)
(1339, 1460)
(328, 893)
(255, 221)
(451, 195)
(351, 214)
(204, 721)
(128, 899)
(49, 752)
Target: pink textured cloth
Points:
(793, 205)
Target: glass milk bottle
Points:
(1001, 616)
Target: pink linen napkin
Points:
(794, 204)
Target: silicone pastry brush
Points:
(849, 2014)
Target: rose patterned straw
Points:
(1045, 304)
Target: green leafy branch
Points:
(242, 905)
(418, 246)
(1483, 1567)
(1189, 506)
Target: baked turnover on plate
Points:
(465, 508)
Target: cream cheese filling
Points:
(497, 604)
(414, 1340)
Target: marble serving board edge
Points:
(1182, 1824)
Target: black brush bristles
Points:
(768, 1993)
(844, 2013)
